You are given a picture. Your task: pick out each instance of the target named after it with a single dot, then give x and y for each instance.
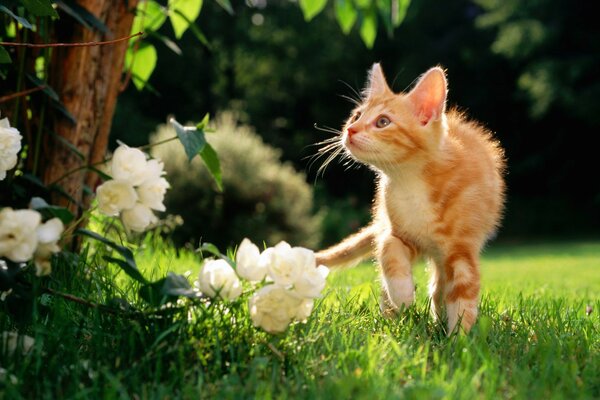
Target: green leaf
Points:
(368, 28)
(226, 5)
(346, 14)
(310, 8)
(211, 160)
(183, 13)
(202, 125)
(400, 13)
(199, 35)
(21, 20)
(150, 17)
(178, 285)
(142, 63)
(128, 264)
(48, 211)
(211, 248)
(171, 45)
(191, 138)
(40, 8)
(4, 56)
(83, 16)
(166, 290)
(385, 8)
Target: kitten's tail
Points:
(349, 251)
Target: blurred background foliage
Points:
(527, 70)
(263, 197)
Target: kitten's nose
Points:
(352, 130)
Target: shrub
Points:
(263, 197)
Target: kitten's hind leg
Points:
(395, 257)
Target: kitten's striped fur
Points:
(440, 194)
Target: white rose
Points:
(311, 282)
(249, 263)
(10, 144)
(151, 193)
(283, 264)
(272, 308)
(304, 309)
(218, 278)
(114, 196)
(138, 218)
(12, 341)
(129, 164)
(154, 170)
(18, 238)
(48, 235)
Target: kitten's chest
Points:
(409, 208)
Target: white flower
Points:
(284, 265)
(304, 310)
(48, 235)
(273, 308)
(138, 218)
(154, 170)
(311, 282)
(250, 264)
(10, 144)
(18, 237)
(11, 341)
(151, 193)
(114, 196)
(218, 278)
(129, 164)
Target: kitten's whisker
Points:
(328, 129)
(352, 100)
(354, 91)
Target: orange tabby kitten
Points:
(440, 194)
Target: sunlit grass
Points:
(533, 340)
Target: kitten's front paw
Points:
(388, 309)
(397, 293)
(401, 291)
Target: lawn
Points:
(534, 339)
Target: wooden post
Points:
(87, 80)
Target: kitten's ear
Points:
(377, 84)
(429, 95)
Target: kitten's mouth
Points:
(352, 143)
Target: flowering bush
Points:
(279, 284)
(284, 281)
(137, 188)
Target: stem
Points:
(144, 147)
(21, 93)
(91, 304)
(80, 44)
(149, 146)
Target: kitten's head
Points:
(387, 129)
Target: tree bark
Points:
(87, 80)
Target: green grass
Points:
(533, 339)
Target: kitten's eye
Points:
(382, 122)
(356, 116)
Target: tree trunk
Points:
(87, 80)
